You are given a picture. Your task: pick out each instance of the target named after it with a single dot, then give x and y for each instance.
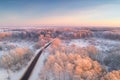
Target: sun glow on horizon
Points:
(64, 15)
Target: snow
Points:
(21, 72)
(14, 75)
(39, 65)
(101, 44)
(105, 44)
(20, 44)
(79, 42)
(1, 53)
(17, 75)
(36, 71)
(3, 74)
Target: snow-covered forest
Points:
(76, 54)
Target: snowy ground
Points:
(3, 74)
(18, 74)
(102, 45)
(36, 71)
(20, 44)
(9, 44)
(39, 66)
(12, 75)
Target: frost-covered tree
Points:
(16, 58)
(114, 75)
(71, 66)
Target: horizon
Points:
(44, 26)
(103, 13)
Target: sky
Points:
(60, 13)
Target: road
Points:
(30, 68)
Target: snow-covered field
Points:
(100, 43)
